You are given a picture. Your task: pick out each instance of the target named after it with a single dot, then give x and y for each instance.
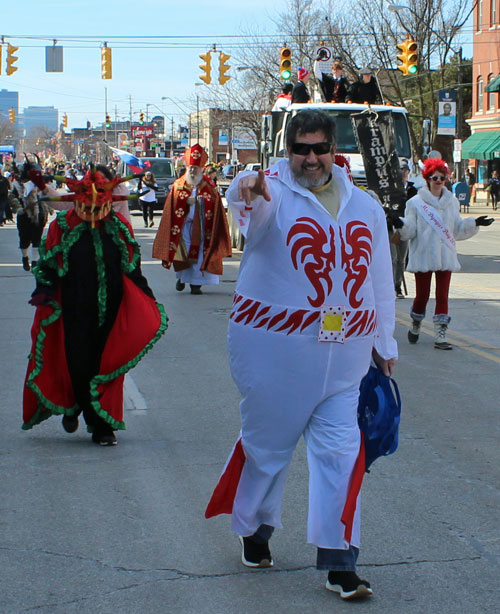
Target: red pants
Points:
(423, 284)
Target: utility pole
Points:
(197, 118)
(459, 167)
(172, 139)
(105, 115)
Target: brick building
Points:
(482, 148)
(226, 135)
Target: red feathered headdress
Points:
(433, 165)
(93, 195)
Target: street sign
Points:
(324, 56)
(53, 59)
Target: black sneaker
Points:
(254, 554)
(179, 286)
(70, 423)
(104, 439)
(34, 263)
(26, 263)
(196, 289)
(348, 584)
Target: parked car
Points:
(226, 175)
(163, 171)
(253, 166)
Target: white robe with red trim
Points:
(297, 262)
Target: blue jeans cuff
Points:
(333, 559)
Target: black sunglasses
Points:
(303, 149)
(437, 178)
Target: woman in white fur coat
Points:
(432, 224)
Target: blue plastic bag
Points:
(379, 414)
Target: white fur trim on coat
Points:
(428, 252)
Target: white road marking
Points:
(132, 398)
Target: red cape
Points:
(48, 389)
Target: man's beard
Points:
(194, 178)
(311, 182)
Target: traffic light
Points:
(106, 68)
(286, 63)
(108, 121)
(65, 121)
(408, 57)
(223, 67)
(12, 116)
(11, 59)
(141, 118)
(206, 67)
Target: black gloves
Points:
(483, 220)
(395, 221)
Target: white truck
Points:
(273, 145)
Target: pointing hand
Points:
(252, 186)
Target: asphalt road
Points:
(91, 530)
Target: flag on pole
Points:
(135, 164)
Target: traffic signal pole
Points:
(105, 114)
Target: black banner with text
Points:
(375, 137)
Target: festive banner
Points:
(374, 133)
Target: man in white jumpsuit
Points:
(314, 303)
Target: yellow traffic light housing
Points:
(141, 118)
(206, 67)
(108, 121)
(223, 67)
(11, 59)
(12, 116)
(286, 63)
(106, 64)
(65, 121)
(408, 57)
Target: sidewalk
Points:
(480, 208)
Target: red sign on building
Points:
(142, 131)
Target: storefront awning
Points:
(494, 85)
(482, 145)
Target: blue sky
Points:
(145, 75)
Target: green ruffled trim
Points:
(43, 403)
(68, 239)
(102, 292)
(114, 226)
(102, 379)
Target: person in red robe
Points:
(193, 235)
(95, 314)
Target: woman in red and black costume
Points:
(89, 291)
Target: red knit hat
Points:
(433, 165)
(302, 74)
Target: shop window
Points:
(492, 96)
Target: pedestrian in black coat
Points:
(300, 93)
(366, 89)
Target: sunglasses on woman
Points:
(303, 149)
(437, 178)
